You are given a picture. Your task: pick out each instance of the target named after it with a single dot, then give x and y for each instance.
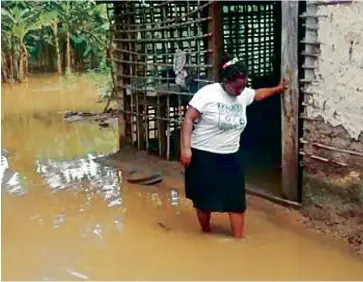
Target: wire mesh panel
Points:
(148, 34)
(251, 32)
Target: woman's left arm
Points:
(264, 93)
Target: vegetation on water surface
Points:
(52, 36)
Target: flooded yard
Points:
(67, 217)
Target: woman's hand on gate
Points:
(186, 156)
(283, 85)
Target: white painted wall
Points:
(338, 94)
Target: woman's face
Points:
(237, 85)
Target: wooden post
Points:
(215, 41)
(121, 107)
(290, 99)
(123, 123)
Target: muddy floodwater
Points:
(67, 217)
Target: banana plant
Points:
(18, 19)
(50, 18)
(42, 33)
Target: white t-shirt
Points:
(222, 119)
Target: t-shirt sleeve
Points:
(250, 96)
(199, 100)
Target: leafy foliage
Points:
(36, 33)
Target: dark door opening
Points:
(252, 31)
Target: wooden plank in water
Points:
(277, 200)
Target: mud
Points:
(335, 208)
(333, 194)
(80, 220)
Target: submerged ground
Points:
(66, 217)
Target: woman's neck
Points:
(225, 89)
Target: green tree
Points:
(54, 34)
(18, 19)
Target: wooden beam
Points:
(122, 101)
(290, 99)
(215, 42)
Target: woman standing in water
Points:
(214, 179)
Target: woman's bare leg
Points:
(237, 224)
(204, 220)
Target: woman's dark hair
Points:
(232, 71)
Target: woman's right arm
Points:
(187, 128)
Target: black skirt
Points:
(215, 182)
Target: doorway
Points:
(252, 31)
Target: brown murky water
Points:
(65, 217)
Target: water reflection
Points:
(174, 197)
(84, 174)
(12, 182)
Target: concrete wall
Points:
(334, 101)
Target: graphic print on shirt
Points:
(231, 116)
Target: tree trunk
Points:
(11, 66)
(26, 61)
(56, 41)
(14, 62)
(16, 67)
(23, 62)
(4, 68)
(68, 54)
